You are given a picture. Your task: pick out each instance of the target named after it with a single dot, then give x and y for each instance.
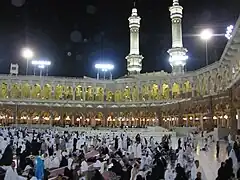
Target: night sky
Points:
(76, 34)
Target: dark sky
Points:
(97, 30)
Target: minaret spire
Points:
(178, 54)
(134, 59)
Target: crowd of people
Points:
(230, 169)
(36, 154)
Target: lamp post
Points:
(206, 35)
(104, 68)
(28, 54)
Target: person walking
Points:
(218, 149)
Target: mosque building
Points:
(208, 97)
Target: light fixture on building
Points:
(57, 118)
(36, 118)
(214, 117)
(225, 116)
(46, 118)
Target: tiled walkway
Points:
(208, 160)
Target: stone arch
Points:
(225, 78)
(58, 92)
(99, 95)
(175, 90)
(4, 90)
(187, 89)
(165, 91)
(26, 90)
(155, 92)
(198, 86)
(135, 93)
(68, 92)
(79, 93)
(145, 92)
(109, 96)
(118, 96)
(204, 85)
(36, 91)
(47, 91)
(89, 93)
(15, 91)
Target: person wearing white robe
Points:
(229, 139)
(124, 142)
(195, 169)
(11, 173)
(97, 165)
(138, 151)
(233, 156)
(152, 142)
(55, 162)
(59, 154)
(120, 143)
(143, 162)
(180, 157)
(84, 166)
(70, 162)
(3, 145)
(148, 160)
(170, 174)
(134, 171)
(47, 162)
(130, 148)
(78, 146)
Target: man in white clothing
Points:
(47, 161)
(195, 169)
(11, 173)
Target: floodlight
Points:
(104, 67)
(206, 34)
(45, 63)
(27, 53)
(229, 31)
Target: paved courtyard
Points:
(208, 160)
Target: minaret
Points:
(134, 59)
(178, 54)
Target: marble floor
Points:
(208, 160)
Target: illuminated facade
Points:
(206, 97)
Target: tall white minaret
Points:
(178, 54)
(134, 59)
